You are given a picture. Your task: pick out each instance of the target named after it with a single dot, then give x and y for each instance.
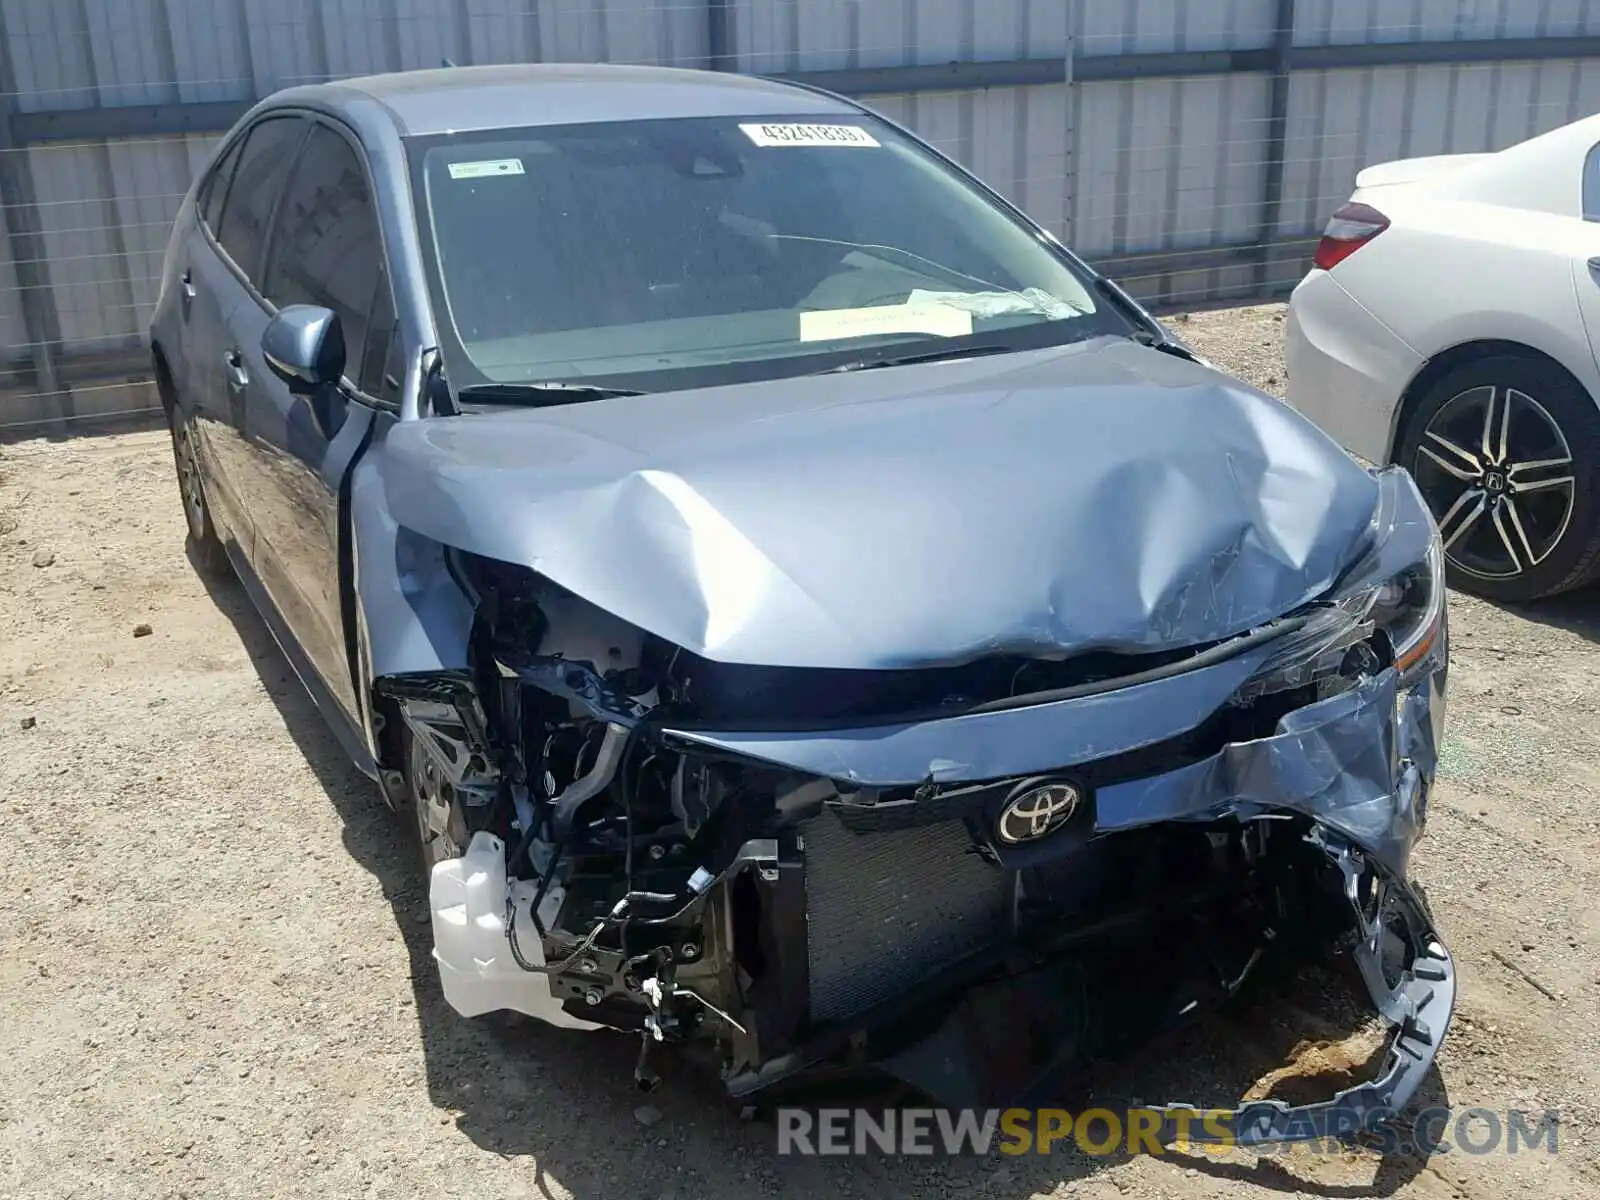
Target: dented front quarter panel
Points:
(413, 616)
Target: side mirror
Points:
(304, 346)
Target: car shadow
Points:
(1575, 612)
(565, 1100)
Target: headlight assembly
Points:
(1393, 611)
(1410, 610)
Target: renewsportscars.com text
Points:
(1104, 1131)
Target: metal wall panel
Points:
(772, 36)
(13, 330)
(48, 45)
(1349, 22)
(105, 210)
(210, 50)
(1168, 164)
(1155, 26)
(1017, 140)
(1160, 165)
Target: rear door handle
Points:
(188, 285)
(1594, 264)
(238, 376)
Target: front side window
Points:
(269, 150)
(326, 248)
(686, 252)
(382, 357)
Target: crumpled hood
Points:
(1102, 495)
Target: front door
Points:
(325, 250)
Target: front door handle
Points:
(1594, 264)
(238, 376)
(188, 286)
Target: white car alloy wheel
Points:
(1497, 470)
(1506, 451)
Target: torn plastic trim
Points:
(1419, 1005)
(1360, 762)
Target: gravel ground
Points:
(214, 971)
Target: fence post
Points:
(1277, 136)
(719, 36)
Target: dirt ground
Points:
(214, 971)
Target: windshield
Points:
(656, 254)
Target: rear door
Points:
(208, 290)
(221, 282)
(326, 250)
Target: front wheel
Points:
(434, 809)
(1506, 451)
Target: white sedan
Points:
(1450, 325)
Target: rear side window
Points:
(263, 166)
(326, 249)
(1591, 186)
(215, 189)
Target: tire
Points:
(1522, 522)
(435, 836)
(204, 546)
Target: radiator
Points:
(885, 910)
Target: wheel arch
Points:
(1441, 364)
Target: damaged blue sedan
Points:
(809, 616)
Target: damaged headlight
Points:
(1410, 609)
(1391, 610)
(1405, 597)
(1330, 649)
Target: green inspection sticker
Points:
(485, 168)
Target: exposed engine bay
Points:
(951, 875)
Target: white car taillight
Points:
(1349, 229)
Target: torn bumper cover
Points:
(977, 900)
(1359, 765)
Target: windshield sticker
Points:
(485, 168)
(935, 320)
(808, 135)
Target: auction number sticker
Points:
(808, 135)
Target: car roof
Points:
(460, 99)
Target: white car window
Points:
(1591, 185)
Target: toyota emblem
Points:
(1038, 812)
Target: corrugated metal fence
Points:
(1190, 147)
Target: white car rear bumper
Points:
(1346, 368)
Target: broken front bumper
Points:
(1418, 1005)
(986, 1036)
(1359, 765)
